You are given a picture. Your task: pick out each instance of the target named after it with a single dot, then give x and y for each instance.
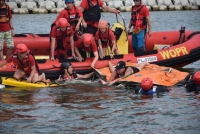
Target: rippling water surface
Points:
(161, 20)
(91, 108)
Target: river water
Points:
(91, 108)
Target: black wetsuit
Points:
(135, 70)
(191, 86)
(189, 83)
(92, 14)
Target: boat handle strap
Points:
(40, 82)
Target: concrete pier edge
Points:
(55, 6)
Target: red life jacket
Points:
(4, 17)
(86, 49)
(106, 40)
(73, 17)
(23, 64)
(138, 20)
(67, 77)
(63, 38)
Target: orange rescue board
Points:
(158, 74)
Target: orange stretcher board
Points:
(159, 74)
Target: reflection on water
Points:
(91, 108)
(193, 67)
(98, 109)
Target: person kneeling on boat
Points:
(69, 74)
(86, 43)
(62, 41)
(122, 71)
(106, 38)
(25, 64)
(146, 87)
(193, 82)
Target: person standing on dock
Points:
(106, 38)
(92, 14)
(62, 41)
(140, 18)
(6, 29)
(73, 15)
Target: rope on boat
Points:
(192, 34)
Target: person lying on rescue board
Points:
(193, 82)
(86, 43)
(25, 64)
(69, 74)
(106, 38)
(122, 71)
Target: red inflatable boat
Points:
(163, 48)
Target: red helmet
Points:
(62, 22)
(146, 84)
(87, 38)
(196, 77)
(103, 24)
(20, 48)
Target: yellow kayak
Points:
(23, 83)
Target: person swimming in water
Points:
(193, 82)
(70, 74)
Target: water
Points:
(92, 108)
(97, 109)
(161, 20)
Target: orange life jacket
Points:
(138, 20)
(4, 17)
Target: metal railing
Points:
(123, 23)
